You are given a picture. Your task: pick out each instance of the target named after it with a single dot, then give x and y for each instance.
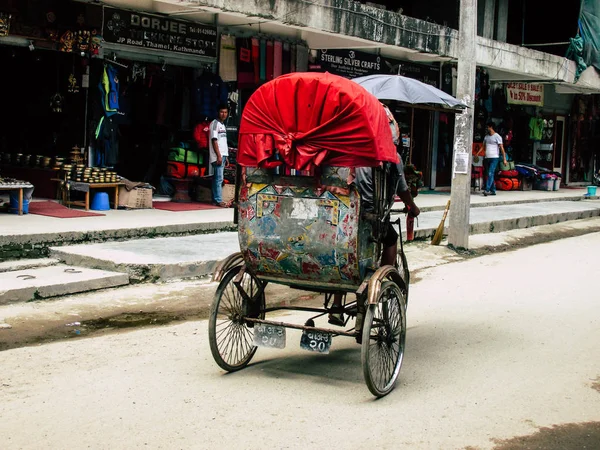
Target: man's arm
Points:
(404, 191)
(408, 200)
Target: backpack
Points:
(201, 132)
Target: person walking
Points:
(493, 147)
(219, 151)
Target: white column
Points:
(460, 196)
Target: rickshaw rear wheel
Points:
(383, 340)
(231, 339)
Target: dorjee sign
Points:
(525, 94)
(159, 33)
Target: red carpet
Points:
(53, 209)
(175, 206)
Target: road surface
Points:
(502, 353)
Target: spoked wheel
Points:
(231, 339)
(384, 334)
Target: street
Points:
(500, 349)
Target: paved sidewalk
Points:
(196, 256)
(436, 200)
(31, 235)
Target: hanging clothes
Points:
(270, 60)
(208, 91)
(292, 58)
(286, 58)
(228, 59)
(301, 58)
(107, 142)
(277, 59)
(536, 128)
(263, 60)
(109, 90)
(256, 60)
(245, 64)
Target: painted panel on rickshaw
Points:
(306, 234)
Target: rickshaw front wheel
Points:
(231, 339)
(383, 340)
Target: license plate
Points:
(315, 341)
(271, 336)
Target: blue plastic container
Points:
(14, 205)
(100, 202)
(591, 190)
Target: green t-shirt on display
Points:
(536, 128)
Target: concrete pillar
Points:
(460, 194)
(489, 17)
(501, 31)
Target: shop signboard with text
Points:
(149, 31)
(353, 64)
(531, 94)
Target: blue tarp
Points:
(589, 28)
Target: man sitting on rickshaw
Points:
(364, 184)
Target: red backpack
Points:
(201, 132)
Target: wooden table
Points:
(86, 203)
(16, 187)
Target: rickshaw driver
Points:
(364, 184)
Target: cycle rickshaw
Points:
(301, 223)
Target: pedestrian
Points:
(493, 147)
(219, 151)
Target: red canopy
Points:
(311, 119)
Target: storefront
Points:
(131, 93)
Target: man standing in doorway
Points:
(219, 151)
(493, 147)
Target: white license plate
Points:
(271, 336)
(315, 341)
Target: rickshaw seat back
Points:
(304, 231)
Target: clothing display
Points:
(256, 60)
(301, 58)
(277, 59)
(228, 59)
(270, 60)
(536, 128)
(263, 60)
(286, 58)
(245, 66)
(208, 92)
(293, 55)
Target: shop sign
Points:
(353, 64)
(143, 30)
(525, 94)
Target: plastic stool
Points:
(476, 177)
(100, 202)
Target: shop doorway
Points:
(420, 154)
(443, 177)
(560, 146)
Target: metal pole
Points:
(458, 236)
(412, 138)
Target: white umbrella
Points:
(407, 90)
